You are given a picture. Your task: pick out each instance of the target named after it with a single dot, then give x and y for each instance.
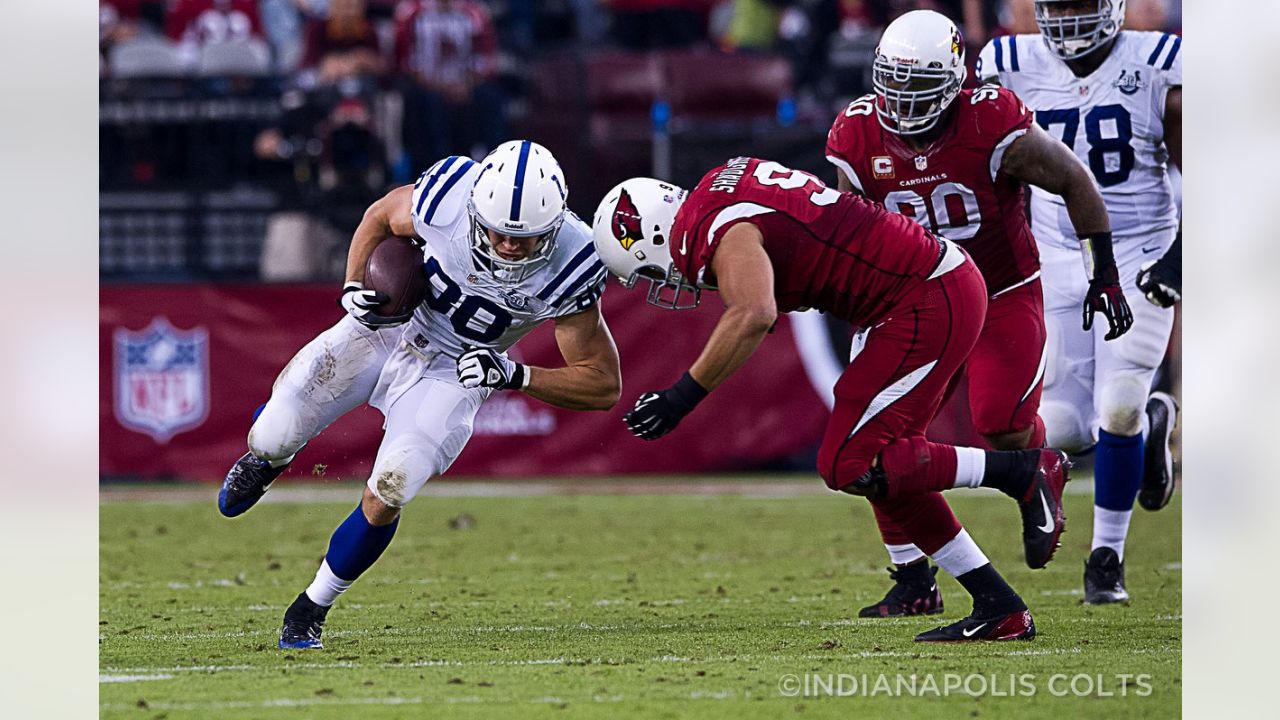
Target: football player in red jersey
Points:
(772, 240)
(955, 161)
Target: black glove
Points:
(658, 413)
(1161, 281)
(361, 303)
(1105, 295)
(483, 367)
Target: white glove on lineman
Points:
(483, 367)
(362, 303)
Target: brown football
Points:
(395, 269)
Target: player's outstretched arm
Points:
(392, 214)
(590, 379)
(1043, 161)
(744, 278)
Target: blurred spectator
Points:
(343, 46)
(753, 25)
(198, 22)
(1146, 15)
(283, 22)
(452, 104)
(117, 22)
(648, 24)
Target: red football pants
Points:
(893, 388)
(1006, 367)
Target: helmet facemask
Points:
(668, 290)
(1072, 36)
(511, 272)
(912, 100)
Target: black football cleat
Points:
(245, 484)
(1104, 578)
(914, 592)
(1043, 520)
(1011, 626)
(303, 623)
(1157, 461)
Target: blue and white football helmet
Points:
(1074, 35)
(521, 192)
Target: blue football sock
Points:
(1117, 470)
(357, 544)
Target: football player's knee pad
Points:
(1065, 428)
(278, 432)
(401, 472)
(1121, 404)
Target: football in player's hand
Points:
(395, 269)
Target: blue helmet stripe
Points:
(1013, 53)
(577, 260)
(444, 167)
(444, 189)
(1168, 62)
(1159, 49)
(518, 193)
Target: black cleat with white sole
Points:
(1157, 461)
(1104, 578)
(1016, 625)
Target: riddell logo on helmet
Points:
(513, 225)
(626, 222)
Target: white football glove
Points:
(362, 303)
(483, 367)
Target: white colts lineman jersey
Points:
(1113, 119)
(465, 305)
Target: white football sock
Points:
(326, 588)
(1110, 527)
(903, 554)
(971, 463)
(960, 555)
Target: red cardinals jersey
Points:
(830, 250)
(954, 187)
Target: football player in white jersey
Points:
(502, 254)
(1115, 97)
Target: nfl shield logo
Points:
(161, 379)
(922, 163)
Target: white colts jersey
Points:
(1113, 119)
(465, 305)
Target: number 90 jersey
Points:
(465, 306)
(954, 187)
(1112, 118)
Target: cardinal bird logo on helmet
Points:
(626, 222)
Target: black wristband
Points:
(688, 391)
(1104, 255)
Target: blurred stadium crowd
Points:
(242, 139)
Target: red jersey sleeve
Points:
(999, 117)
(846, 145)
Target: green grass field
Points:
(605, 606)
